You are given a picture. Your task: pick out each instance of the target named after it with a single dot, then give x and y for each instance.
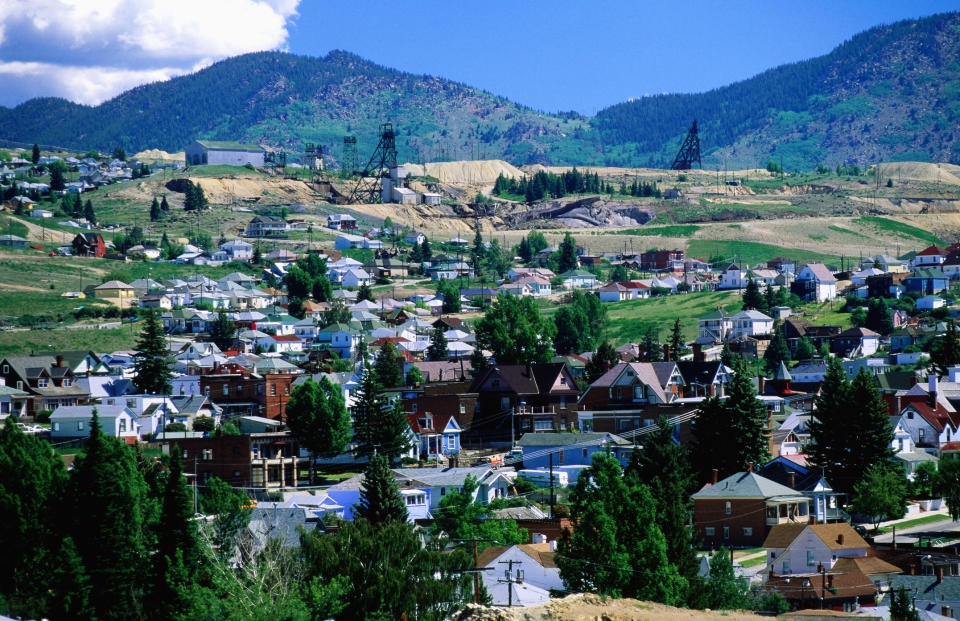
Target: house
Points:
(355, 278)
(237, 250)
(41, 213)
(815, 282)
(782, 265)
(492, 483)
(534, 561)
(704, 378)
(837, 592)
(263, 460)
(715, 326)
(614, 292)
(543, 450)
(931, 256)
(661, 260)
(241, 393)
(13, 241)
(734, 277)
(435, 433)
(749, 323)
(266, 226)
(855, 342)
(929, 302)
(73, 422)
(514, 399)
(795, 329)
(539, 286)
(739, 510)
(805, 548)
(415, 238)
(578, 279)
(113, 289)
(793, 471)
(927, 281)
(223, 152)
(937, 593)
(88, 245)
(926, 414)
(341, 222)
(342, 338)
(12, 401)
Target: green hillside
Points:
(890, 93)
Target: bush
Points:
(43, 416)
(175, 427)
(203, 423)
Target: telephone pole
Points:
(476, 565)
(510, 579)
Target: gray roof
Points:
(928, 587)
(86, 411)
(745, 485)
(568, 439)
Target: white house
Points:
(40, 213)
(355, 277)
(614, 292)
(535, 560)
(820, 283)
(750, 323)
(929, 302)
(733, 278)
(802, 548)
(578, 279)
(73, 421)
(715, 326)
(932, 256)
(492, 484)
(237, 250)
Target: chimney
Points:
(749, 466)
(716, 474)
(761, 384)
(792, 480)
(840, 539)
(59, 360)
(666, 352)
(698, 353)
(939, 574)
(932, 386)
(945, 611)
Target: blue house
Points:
(927, 280)
(571, 449)
(435, 433)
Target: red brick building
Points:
(89, 245)
(258, 460)
(242, 394)
(659, 260)
(740, 510)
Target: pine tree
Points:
(752, 298)
(676, 339)
(879, 317)
(777, 351)
(389, 366)
(222, 331)
(153, 371)
(901, 608)
(393, 441)
(155, 211)
(35, 154)
(88, 212)
(650, 345)
(425, 250)
(107, 524)
(711, 450)
(601, 361)
(748, 418)
(364, 293)
(805, 349)
(438, 345)
(164, 205)
(257, 258)
(380, 499)
(829, 428)
(178, 552)
(567, 255)
(945, 351)
(57, 181)
(523, 251)
(367, 408)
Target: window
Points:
(184, 453)
(67, 382)
(504, 403)
(727, 507)
(239, 389)
(910, 414)
(226, 390)
(443, 491)
(810, 558)
(563, 402)
(207, 454)
(6, 369)
(584, 453)
(56, 426)
(131, 403)
(413, 408)
(286, 389)
(747, 531)
(206, 391)
(123, 425)
(785, 567)
(561, 456)
(709, 531)
(273, 390)
(639, 392)
(19, 385)
(921, 434)
(726, 532)
(79, 425)
(236, 474)
(463, 407)
(42, 382)
(451, 442)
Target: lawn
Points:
(827, 314)
(754, 252)
(628, 321)
(901, 229)
(927, 519)
(10, 226)
(25, 342)
(753, 562)
(670, 230)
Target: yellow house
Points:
(113, 289)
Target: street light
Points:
(823, 583)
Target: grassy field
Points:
(754, 252)
(670, 230)
(24, 342)
(899, 229)
(927, 519)
(630, 320)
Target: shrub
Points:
(203, 423)
(43, 416)
(175, 427)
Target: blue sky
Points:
(552, 56)
(587, 55)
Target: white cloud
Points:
(91, 50)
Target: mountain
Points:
(890, 93)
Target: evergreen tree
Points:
(752, 298)
(879, 317)
(451, 295)
(945, 351)
(438, 345)
(155, 211)
(726, 355)
(523, 251)
(769, 298)
(153, 371)
(389, 366)
(651, 351)
(901, 606)
(379, 427)
(617, 548)
(364, 293)
(537, 241)
(231, 510)
(461, 516)
(515, 332)
(222, 331)
(948, 484)
(604, 359)
(107, 524)
(567, 258)
(477, 251)
(572, 333)
(199, 198)
(164, 205)
(425, 250)
(35, 154)
(748, 418)
(805, 349)
(88, 212)
(676, 340)
(257, 257)
(57, 180)
(380, 499)
(726, 591)
(711, 431)
(828, 428)
(777, 351)
(664, 467)
(414, 376)
(178, 553)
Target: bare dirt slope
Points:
(591, 607)
(921, 171)
(158, 155)
(40, 234)
(469, 171)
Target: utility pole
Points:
(476, 566)
(510, 579)
(551, 484)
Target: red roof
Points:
(440, 422)
(931, 251)
(634, 285)
(383, 340)
(950, 446)
(291, 338)
(939, 417)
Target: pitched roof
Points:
(782, 535)
(928, 272)
(539, 552)
(931, 251)
(865, 564)
(820, 272)
(569, 439)
(113, 284)
(643, 371)
(745, 485)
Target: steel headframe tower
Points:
(689, 151)
(370, 184)
(349, 164)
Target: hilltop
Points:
(890, 93)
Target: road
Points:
(944, 529)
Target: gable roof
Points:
(932, 251)
(820, 272)
(570, 439)
(539, 552)
(643, 371)
(745, 485)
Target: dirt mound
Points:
(158, 155)
(921, 171)
(470, 171)
(590, 607)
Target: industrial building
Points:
(219, 152)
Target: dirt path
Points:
(42, 234)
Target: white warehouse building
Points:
(219, 152)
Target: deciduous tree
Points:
(515, 332)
